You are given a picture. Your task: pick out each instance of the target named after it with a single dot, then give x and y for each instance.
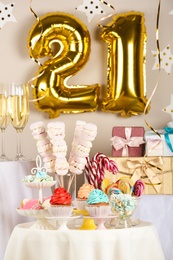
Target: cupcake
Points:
(61, 203)
(98, 204)
(82, 195)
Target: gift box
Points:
(156, 145)
(128, 141)
(156, 172)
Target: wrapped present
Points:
(128, 141)
(156, 172)
(156, 145)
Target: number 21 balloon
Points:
(126, 39)
(51, 92)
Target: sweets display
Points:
(123, 185)
(123, 204)
(99, 195)
(52, 147)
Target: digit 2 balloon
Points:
(71, 41)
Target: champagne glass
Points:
(18, 105)
(4, 120)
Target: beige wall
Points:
(16, 65)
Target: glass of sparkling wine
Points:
(4, 120)
(18, 106)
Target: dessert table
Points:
(157, 209)
(139, 242)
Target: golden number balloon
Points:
(126, 86)
(71, 41)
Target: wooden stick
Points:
(70, 181)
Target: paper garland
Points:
(92, 8)
(169, 108)
(6, 14)
(166, 59)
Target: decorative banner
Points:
(166, 60)
(71, 41)
(126, 39)
(6, 14)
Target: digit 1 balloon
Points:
(126, 82)
(71, 41)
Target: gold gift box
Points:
(156, 172)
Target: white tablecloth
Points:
(12, 192)
(140, 242)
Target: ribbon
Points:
(159, 60)
(155, 145)
(145, 169)
(168, 130)
(123, 143)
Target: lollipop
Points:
(138, 188)
(125, 184)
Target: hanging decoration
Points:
(65, 41)
(92, 8)
(169, 108)
(126, 88)
(6, 14)
(166, 60)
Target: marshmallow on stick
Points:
(77, 135)
(82, 149)
(44, 146)
(95, 169)
(56, 132)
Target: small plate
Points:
(38, 214)
(39, 185)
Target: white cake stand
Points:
(62, 221)
(40, 186)
(100, 221)
(39, 215)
